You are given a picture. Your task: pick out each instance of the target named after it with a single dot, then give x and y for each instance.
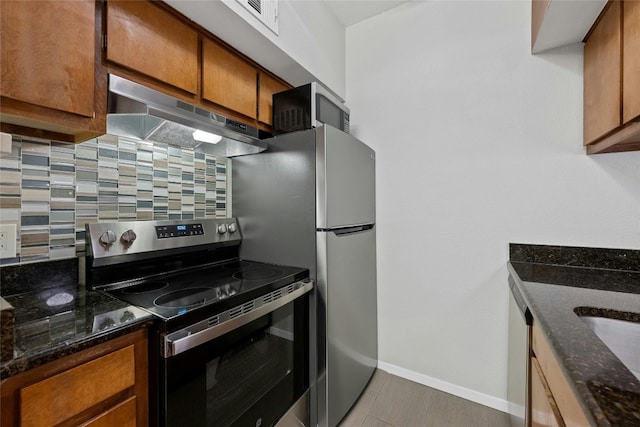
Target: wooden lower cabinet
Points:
(106, 385)
(552, 400)
(122, 415)
(544, 411)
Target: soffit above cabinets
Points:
(558, 23)
(351, 12)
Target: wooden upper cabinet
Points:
(52, 84)
(602, 78)
(538, 12)
(612, 80)
(228, 80)
(48, 52)
(145, 38)
(267, 86)
(631, 61)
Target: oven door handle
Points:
(190, 337)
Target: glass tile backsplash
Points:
(50, 190)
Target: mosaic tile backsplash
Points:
(50, 189)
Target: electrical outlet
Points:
(7, 240)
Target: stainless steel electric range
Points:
(231, 341)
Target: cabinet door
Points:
(228, 80)
(147, 39)
(544, 412)
(42, 404)
(267, 87)
(48, 54)
(602, 68)
(631, 61)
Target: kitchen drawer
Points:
(123, 415)
(86, 385)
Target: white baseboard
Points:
(465, 393)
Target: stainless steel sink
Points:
(621, 336)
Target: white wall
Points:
(478, 144)
(310, 44)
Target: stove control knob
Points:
(233, 228)
(107, 238)
(222, 228)
(128, 237)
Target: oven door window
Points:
(249, 376)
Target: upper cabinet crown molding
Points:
(556, 23)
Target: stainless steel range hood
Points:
(141, 113)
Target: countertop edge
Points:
(587, 402)
(25, 363)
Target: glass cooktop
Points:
(210, 289)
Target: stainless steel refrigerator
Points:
(309, 201)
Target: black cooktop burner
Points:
(257, 274)
(183, 298)
(198, 293)
(193, 296)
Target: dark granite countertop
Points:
(61, 318)
(561, 283)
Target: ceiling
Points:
(351, 12)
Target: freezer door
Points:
(345, 179)
(348, 304)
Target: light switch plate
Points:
(7, 240)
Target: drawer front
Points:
(62, 396)
(122, 415)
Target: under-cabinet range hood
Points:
(141, 113)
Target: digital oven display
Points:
(180, 230)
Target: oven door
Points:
(248, 375)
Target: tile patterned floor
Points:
(392, 401)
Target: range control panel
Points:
(178, 230)
(105, 241)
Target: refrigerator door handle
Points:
(348, 230)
